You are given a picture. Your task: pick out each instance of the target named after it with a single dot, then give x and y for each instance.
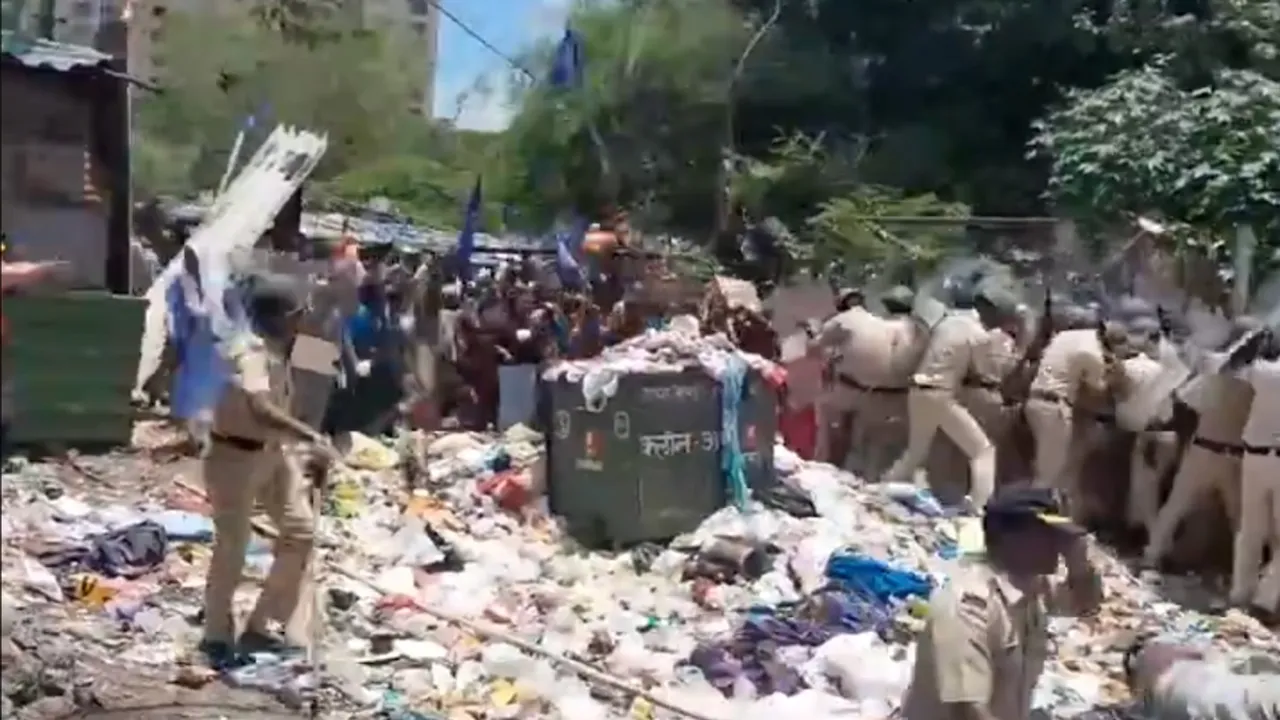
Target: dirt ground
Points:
(58, 663)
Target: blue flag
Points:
(467, 238)
(202, 374)
(568, 246)
(566, 65)
(566, 264)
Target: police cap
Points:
(999, 296)
(1016, 505)
(899, 298)
(275, 292)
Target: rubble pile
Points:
(805, 605)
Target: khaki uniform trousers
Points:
(234, 480)
(1154, 452)
(838, 403)
(1259, 526)
(880, 430)
(988, 408)
(930, 410)
(1064, 442)
(1203, 471)
(1050, 423)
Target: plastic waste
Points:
(864, 668)
(346, 498)
(501, 660)
(39, 579)
(369, 454)
(917, 498)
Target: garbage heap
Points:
(462, 596)
(652, 437)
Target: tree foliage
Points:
(1005, 107)
(653, 102)
(305, 65)
(1208, 156)
(840, 112)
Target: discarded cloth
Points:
(128, 552)
(875, 580)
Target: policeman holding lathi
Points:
(987, 638)
(249, 461)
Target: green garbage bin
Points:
(645, 464)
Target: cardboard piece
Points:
(737, 293)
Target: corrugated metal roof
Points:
(41, 53)
(489, 248)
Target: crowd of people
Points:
(508, 315)
(1025, 398)
(1033, 400)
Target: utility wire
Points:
(447, 13)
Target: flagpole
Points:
(232, 159)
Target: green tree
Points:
(1193, 135)
(653, 101)
(1209, 157)
(357, 87)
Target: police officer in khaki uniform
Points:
(839, 337)
(248, 462)
(993, 359)
(932, 404)
(1155, 448)
(1211, 462)
(1078, 373)
(987, 637)
(1260, 484)
(885, 428)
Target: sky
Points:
(465, 65)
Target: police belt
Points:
(848, 381)
(1053, 397)
(978, 383)
(239, 443)
(1258, 450)
(1218, 447)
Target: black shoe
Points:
(253, 641)
(220, 655)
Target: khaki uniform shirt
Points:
(948, 357)
(864, 343)
(256, 368)
(1262, 429)
(993, 358)
(909, 342)
(985, 643)
(1072, 361)
(1139, 371)
(1223, 401)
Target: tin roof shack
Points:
(64, 161)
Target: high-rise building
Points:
(422, 18)
(74, 21)
(79, 22)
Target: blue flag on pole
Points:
(568, 245)
(202, 374)
(467, 238)
(566, 65)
